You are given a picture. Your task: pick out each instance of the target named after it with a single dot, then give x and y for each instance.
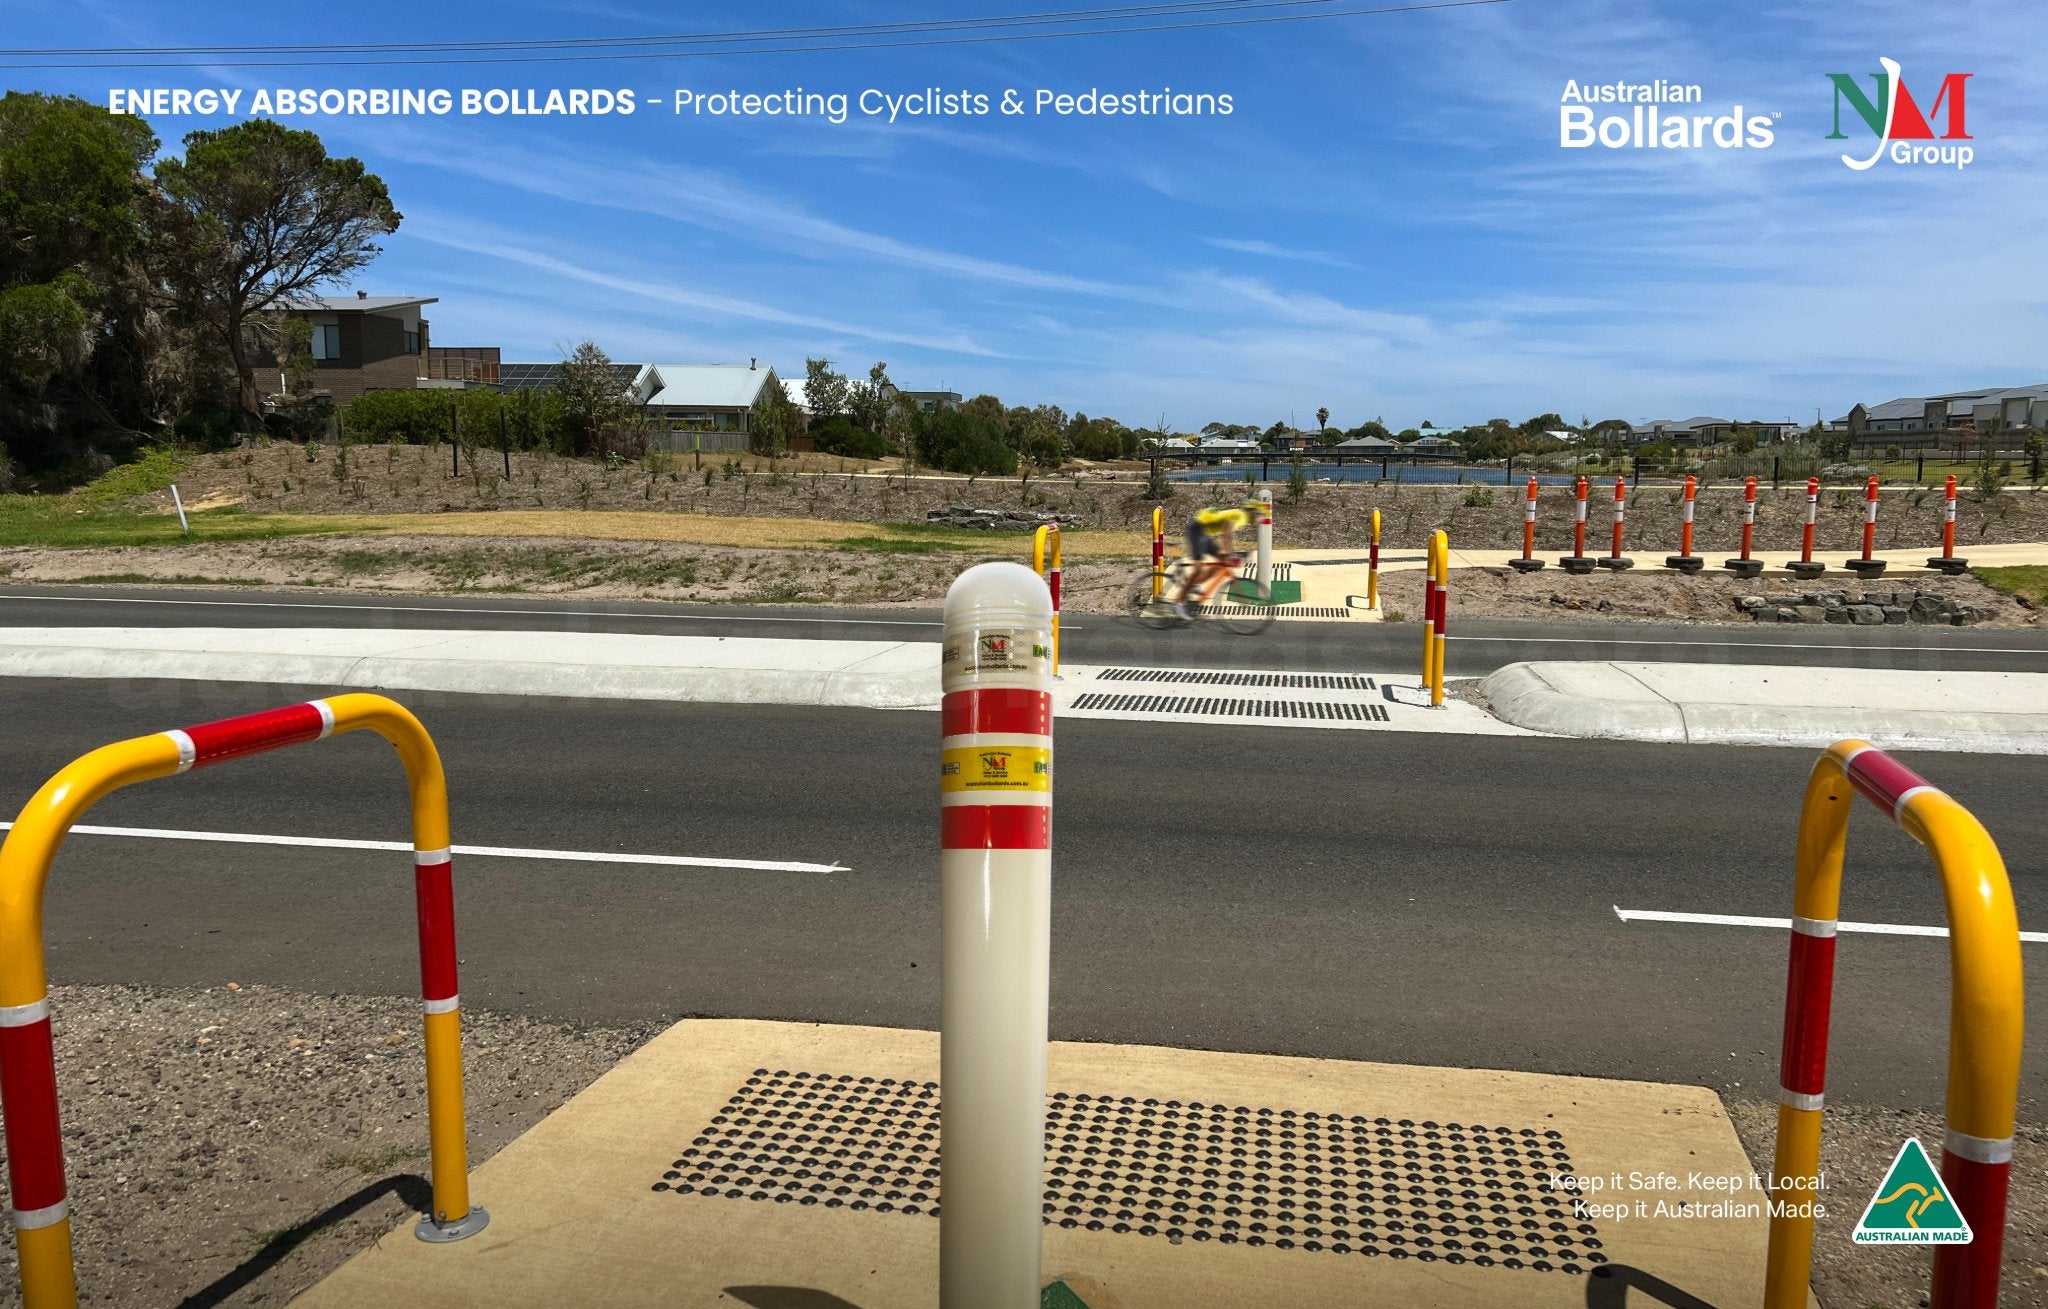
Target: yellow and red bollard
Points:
(1372, 567)
(1806, 565)
(1742, 565)
(1868, 564)
(1946, 561)
(1158, 551)
(1528, 563)
(1617, 560)
(1685, 561)
(1576, 561)
(1040, 557)
(1436, 603)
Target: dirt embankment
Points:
(416, 479)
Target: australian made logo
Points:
(1896, 119)
(1911, 1206)
(1654, 116)
(994, 648)
(995, 765)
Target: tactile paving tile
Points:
(1282, 1179)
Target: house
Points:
(1434, 442)
(364, 342)
(1368, 445)
(1952, 418)
(680, 397)
(461, 365)
(928, 402)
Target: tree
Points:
(826, 392)
(595, 407)
(263, 216)
(774, 421)
(869, 402)
(1323, 418)
(1743, 438)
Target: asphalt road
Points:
(1413, 898)
(1477, 647)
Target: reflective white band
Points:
(49, 1216)
(187, 752)
(1792, 1099)
(22, 1015)
(1688, 511)
(1813, 926)
(448, 1006)
(1013, 740)
(1870, 512)
(1948, 509)
(1899, 809)
(1529, 512)
(326, 717)
(428, 858)
(1982, 1149)
(1582, 509)
(1749, 511)
(949, 799)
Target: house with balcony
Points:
(364, 342)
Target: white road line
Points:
(431, 609)
(1741, 920)
(484, 851)
(1759, 645)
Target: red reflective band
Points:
(1053, 586)
(231, 738)
(1005, 710)
(1809, 994)
(1882, 778)
(995, 827)
(28, 1086)
(435, 884)
(1443, 606)
(1966, 1276)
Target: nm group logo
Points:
(1898, 122)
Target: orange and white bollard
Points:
(1685, 561)
(1742, 565)
(1576, 561)
(1946, 561)
(995, 895)
(1528, 563)
(1617, 560)
(1806, 565)
(1868, 564)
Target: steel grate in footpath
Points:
(1279, 611)
(1282, 1179)
(1194, 677)
(1209, 704)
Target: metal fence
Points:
(686, 442)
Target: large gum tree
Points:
(264, 216)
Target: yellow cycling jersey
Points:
(1217, 520)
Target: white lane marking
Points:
(432, 609)
(1758, 645)
(474, 851)
(1741, 920)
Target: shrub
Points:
(1478, 497)
(841, 436)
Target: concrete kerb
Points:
(1749, 704)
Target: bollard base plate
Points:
(1865, 567)
(1953, 567)
(476, 1220)
(1744, 567)
(1579, 565)
(1687, 564)
(1802, 568)
(1525, 565)
(1616, 563)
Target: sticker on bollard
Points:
(997, 768)
(998, 650)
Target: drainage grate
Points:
(1454, 1193)
(1281, 572)
(1279, 611)
(1192, 677)
(1209, 704)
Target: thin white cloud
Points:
(1268, 250)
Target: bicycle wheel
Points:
(1246, 608)
(1149, 601)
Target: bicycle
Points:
(1246, 608)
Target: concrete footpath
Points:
(1755, 704)
(1718, 703)
(779, 1165)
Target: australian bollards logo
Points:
(1654, 116)
(1892, 113)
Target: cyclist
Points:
(1209, 540)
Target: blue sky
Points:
(1385, 225)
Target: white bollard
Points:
(1266, 543)
(179, 501)
(995, 892)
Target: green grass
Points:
(152, 579)
(2028, 581)
(899, 546)
(82, 520)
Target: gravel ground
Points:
(1857, 1145)
(234, 1145)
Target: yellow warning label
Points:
(996, 768)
